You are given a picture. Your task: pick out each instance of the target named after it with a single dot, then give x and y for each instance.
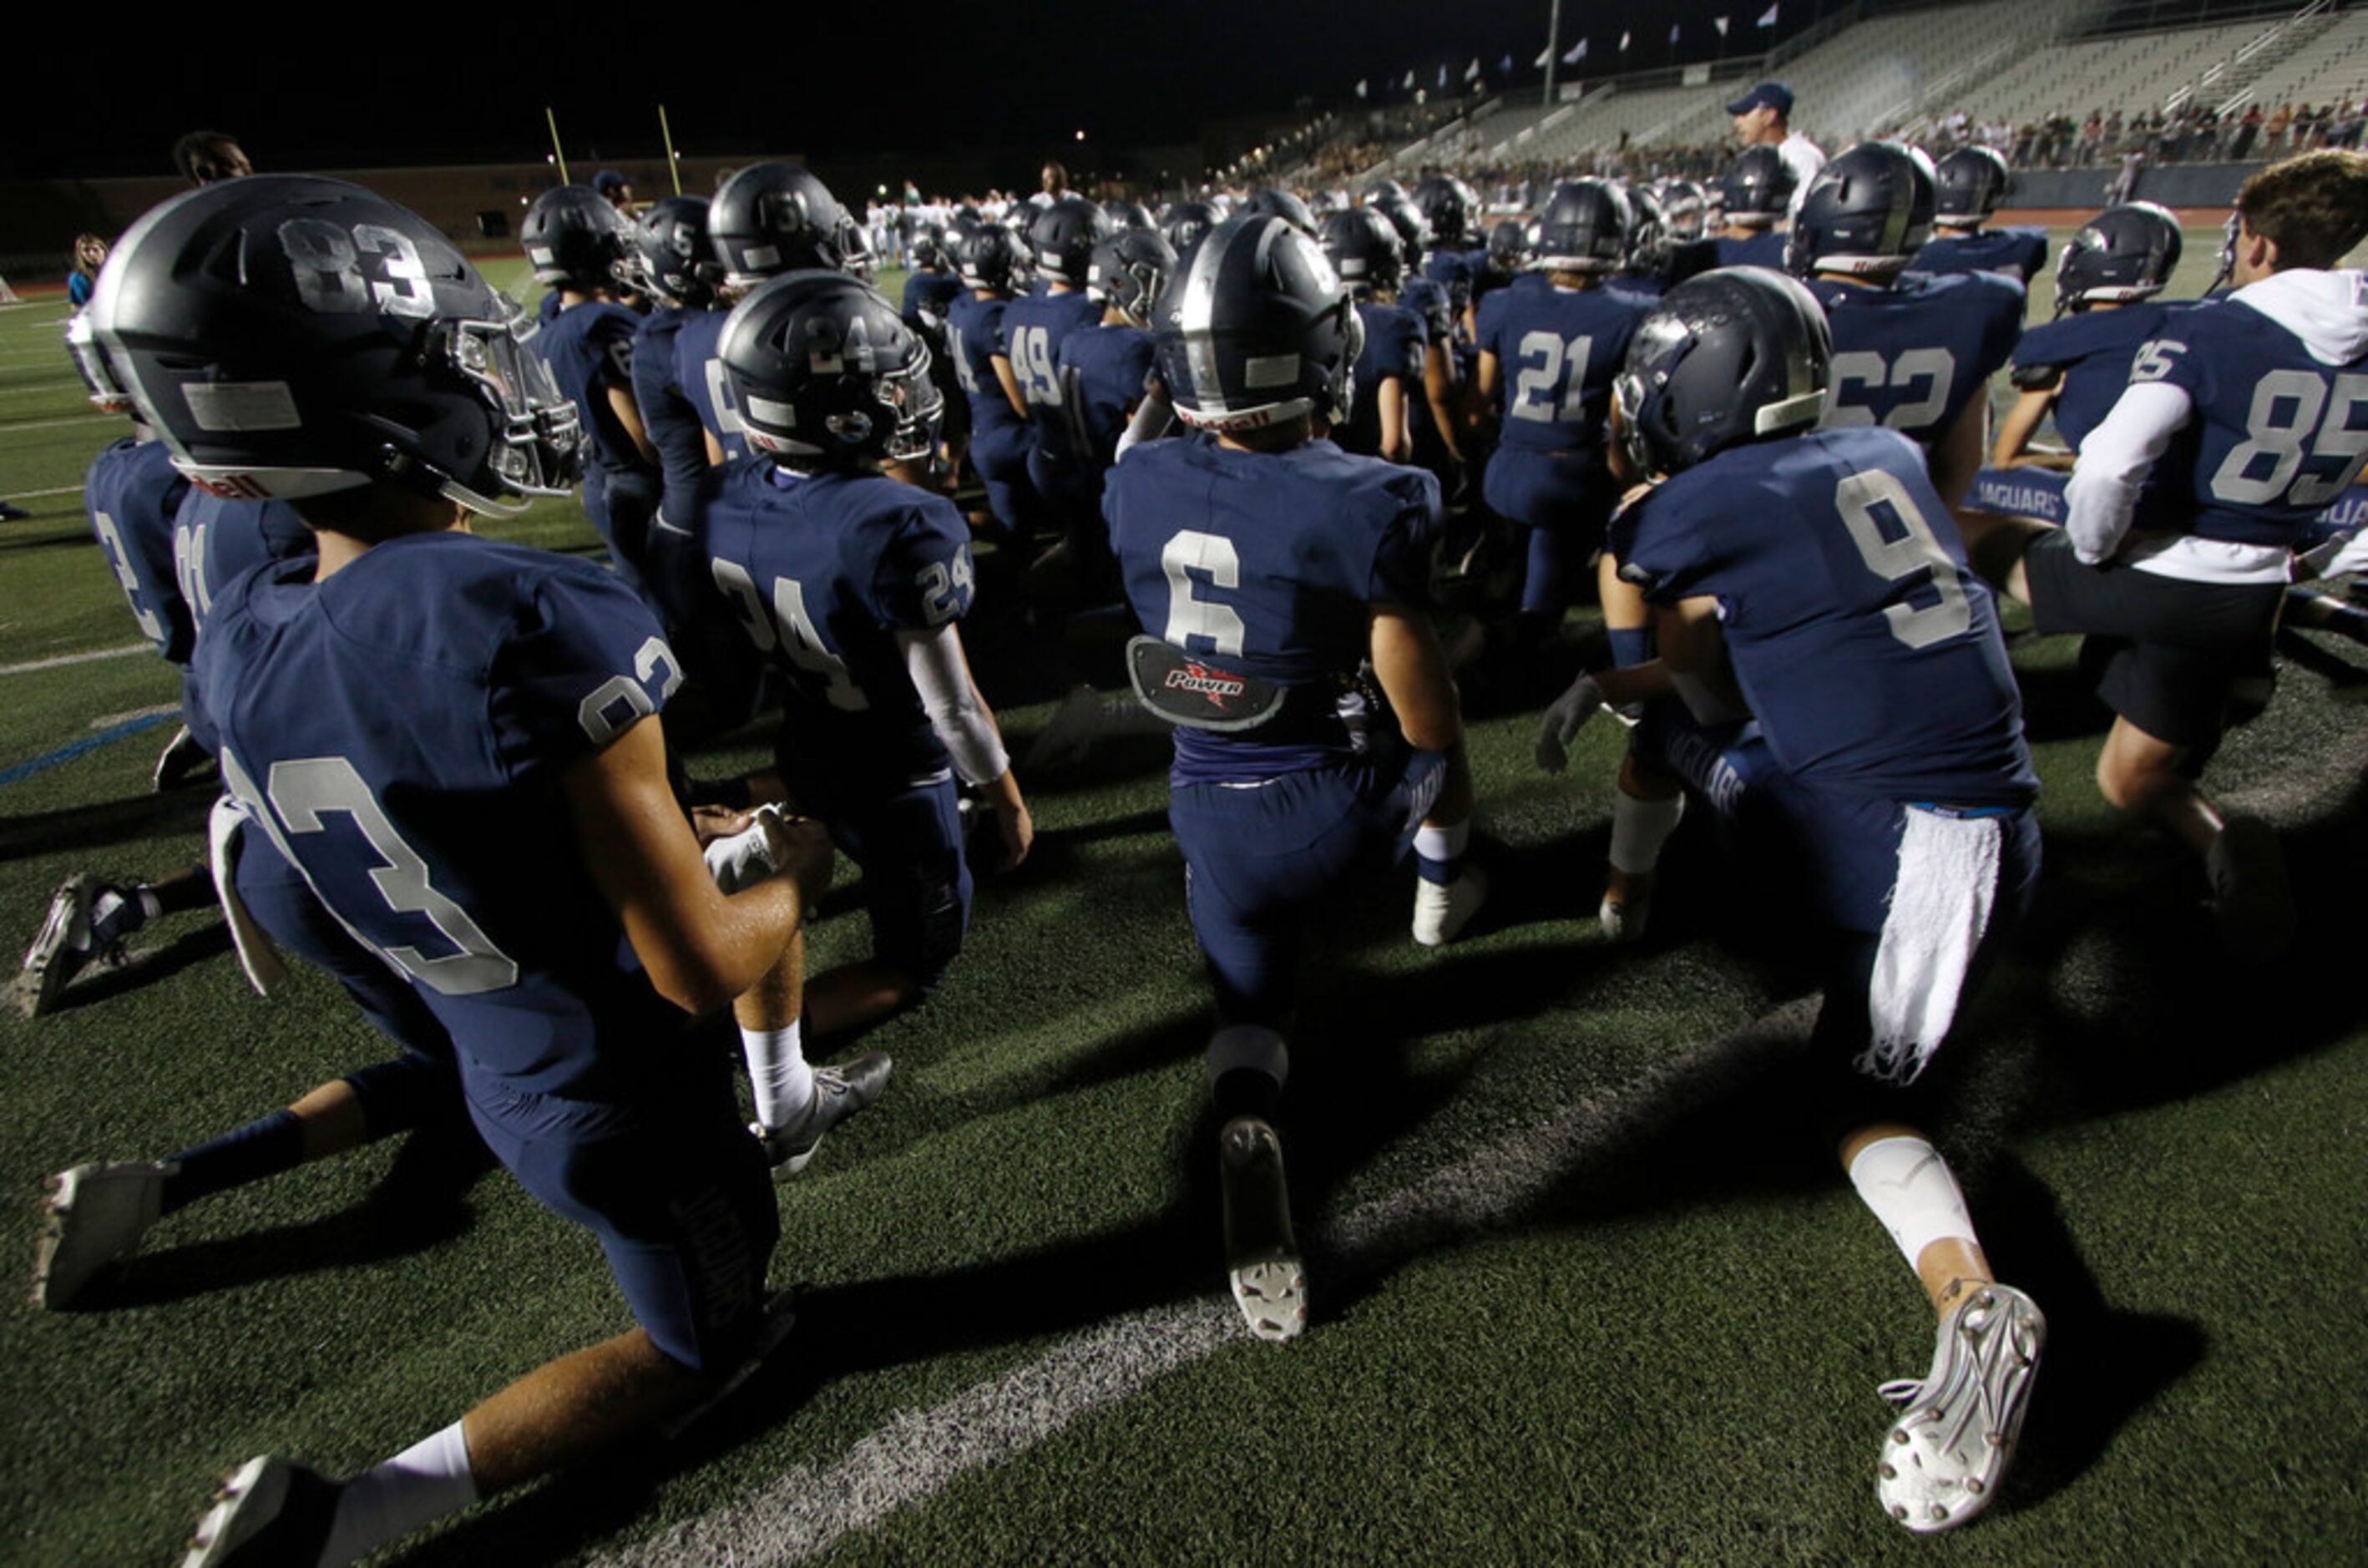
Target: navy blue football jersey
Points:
(1394, 342)
(1452, 270)
(1428, 300)
(215, 539)
(1034, 327)
(132, 494)
(668, 413)
(1867, 650)
(590, 349)
(1269, 562)
(974, 329)
(699, 375)
(1765, 248)
(1557, 352)
(399, 733)
(2018, 253)
(1912, 356)
(928, 294)
(824, 570)
(2092, 351)
(2275, 435)
(1104, 373)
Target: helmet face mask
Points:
(107, 393)
(1128, 271)
(289, 336)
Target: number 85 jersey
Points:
(823, 571)
(1869, 653)
(398, 731)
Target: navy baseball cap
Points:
(608, 180)
(1773, 95)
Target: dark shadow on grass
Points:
(105, 826)
(104, 981)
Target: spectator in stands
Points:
(1764, 115)
(205, 157)
(89, 256)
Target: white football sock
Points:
(778, 1071)
(424, 1483)
(1906, 1184)
(1639, 828)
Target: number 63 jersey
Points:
(1869, 653)
(823, 571)
(398, 731)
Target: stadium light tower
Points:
(1553, 49)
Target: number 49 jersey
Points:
(1911, 356)
(823, 571)
(2280, 424)
(1870, 654)
(421, 800)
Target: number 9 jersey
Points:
(1870, 654)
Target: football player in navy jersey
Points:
(2244, 418)
(1758, 192)
(851, 583)
(990, 263)
(1810, 581)
(1061, 244)
(1362, 247)
(1970, 182)
(2076, 366)
(1268, 566)
(1436, 418)
(578, 242)
(1449, 209)
(456, 743)
(1547, 356)
(1912, 354)
(672, 264)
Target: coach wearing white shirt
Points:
(1763, 115)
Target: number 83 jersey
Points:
(398, 731)
(823, 571)
(1869, 653)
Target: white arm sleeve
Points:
(934, 660)
(1152, 417)
(2113, 463)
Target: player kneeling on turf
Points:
(1269, 566)
(1811, 580)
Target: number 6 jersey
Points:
(1869, 653)
(398, 731)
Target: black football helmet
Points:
(931, 250)
(1759, 186)
(1727, 358)
(1128, 271)
(1585, 228)
(575, 238)
(826, 370)
(1127, 215)
(1063, 236)
(1185, 222)
(1255, 330)
(2124, 253)
(1448, 206)
(1509, 247)
(987, 257)
(1968, 185)
(1865, 214)
(671, 257)
(1362, 247)
(1383, 189)
(1283, 205)
(1414, 229)
(289, 336)
(1648, 231)
(774, 218)
(1684, 209)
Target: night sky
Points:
(443, 84)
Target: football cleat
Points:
(1441, 910)
(93, 1215)
(87, 919)
(2249, 896)
(779, 1320)
(1262, 1258)
(839, 1092)
(1623, 919)
(269, 1511)
(11, 513)
(184, 762)
(1943, 1457)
